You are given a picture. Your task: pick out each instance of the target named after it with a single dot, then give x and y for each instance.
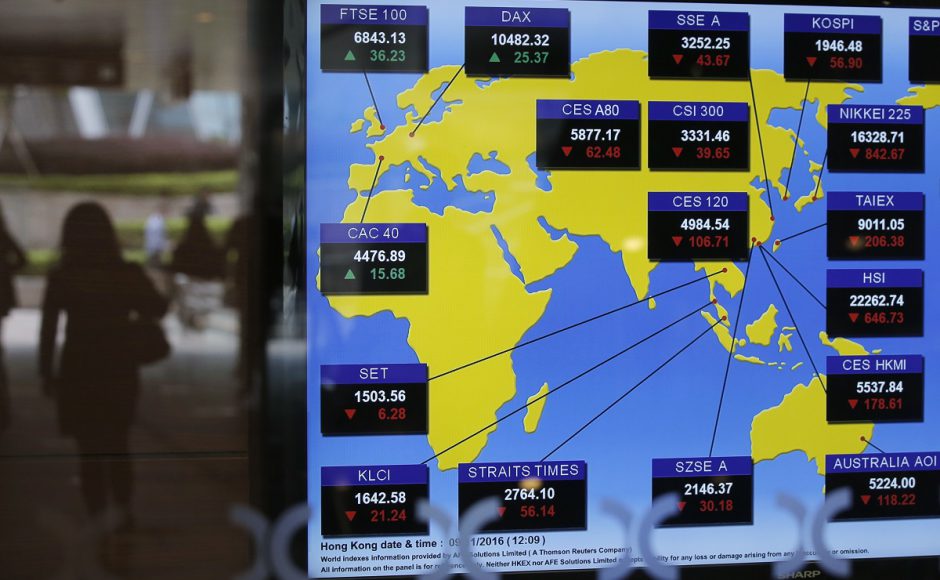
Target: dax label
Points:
(886, 485)
(712, 490)
(543, 496)
(587, 134)
(876, 138)
(533, 42)
(923, 48)
(372, 500)
(876, 388)
(831, 47)
(875, 302)
(699, 45)
(691, 226)
(373, 38)
(374, 258)
(699, 136)
(875, 226)
(374, 399)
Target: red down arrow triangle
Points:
(865, 499)
(811, 60)
(566, 150)
(853, 316)
(681, 505)
(854, 151)
(677, 240)
(677, 151)
(677, 58)
(350, 413)
(502, 510)
(853, 403)
(854, 240)
(350, 515)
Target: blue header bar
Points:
(875, 462)
(875, 364)
(593, 110)
(832, 23)
(924, 26)
(876, 114)
(703, 466)
(518, 17)
(901, 278)
(689, 20)
(515, 472)
(684, 111)
(374, 475)
(376, 374)
(882, 201)
(376, 15)
(696, 201)
(373, 233)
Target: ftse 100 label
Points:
(542, 496)
(876, 138)
(687, 226)
(875, 302)
(699, 136)
(832, 47)
(711, 490)
(373, 500)
(886, 485)
(374, 399)
(374, 258)
(875, 388)
(533, 42)
(587, 134)
(373, 38)
(699, 45)
(875, 226)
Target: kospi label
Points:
(923, 48)
(361, 38)
(506, 41)
(875, 225)
(372, 500)
(875, 302)
(875, 388)
(374, 399)
(711, 490)
(699, 136)
(832, 47)
(693, 45)
(374, 258)
(876, 138)
(582, 134)
(886, 485)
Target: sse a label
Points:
(699, 45)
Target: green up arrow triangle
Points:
(494, 58)
(350, 275)
(350, 56)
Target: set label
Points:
(712, 490)
(886, 485)
(374, 258)
(693, 226)
(372, 500)
(873, 302)
(699, 45)
(373, 38)
(587, 134)
(532, 42)
(875, 226)
(542, 496)
(374, 399)
(923, 48)
(876, 388)
(876, 138)
(832, 47)
(700, 136)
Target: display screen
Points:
(598, 284)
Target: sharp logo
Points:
(803, 574)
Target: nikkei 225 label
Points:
(687, 226)
(587, 134)
(711, 490)
(538, 496)
(875, 226)
(389, 399)
(875, 302)
(372, 500)
(832, 47)
(532, 42)
(886, 485)
(699, 136)
(374, 258)
(373, 38)
(875, 388)
(923, 48)
(876, 138)
(706, 45)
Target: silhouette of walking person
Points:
(12, 258)
(96, 382)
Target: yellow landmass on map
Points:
(754, 360)
(762, 330)
(475, 307)
(533, 412)
(843, 346)
(357, 125)
(783, 342)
